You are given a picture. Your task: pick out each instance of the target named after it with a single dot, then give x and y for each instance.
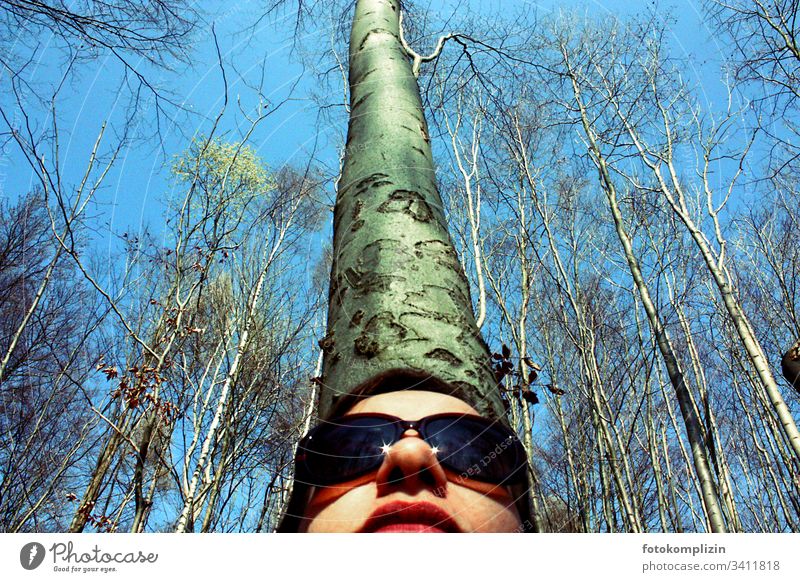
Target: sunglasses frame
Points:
(400, 426)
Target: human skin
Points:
(410, 473)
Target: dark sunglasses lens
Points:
(343, 450)
(476, 449)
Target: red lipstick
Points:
(405, 517)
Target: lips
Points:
(404, 517)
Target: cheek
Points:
(480, 513)
(330, 511)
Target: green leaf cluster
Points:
(222, 174)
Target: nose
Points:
(410, 465)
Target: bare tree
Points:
(46, 339)
(580, 84)
(765, 43)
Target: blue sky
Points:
(133, 192)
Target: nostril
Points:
(427, 477)
(395, 476)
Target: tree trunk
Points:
(90, 496)
(141, 502)
(399, 305)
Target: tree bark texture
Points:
(400, 314)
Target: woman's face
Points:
(411, 491)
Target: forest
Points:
(621, 182)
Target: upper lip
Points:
(404, 512)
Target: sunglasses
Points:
(354, 445)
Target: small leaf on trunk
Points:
(530, 396)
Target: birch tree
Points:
(578, 81)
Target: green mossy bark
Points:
(400, 314)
